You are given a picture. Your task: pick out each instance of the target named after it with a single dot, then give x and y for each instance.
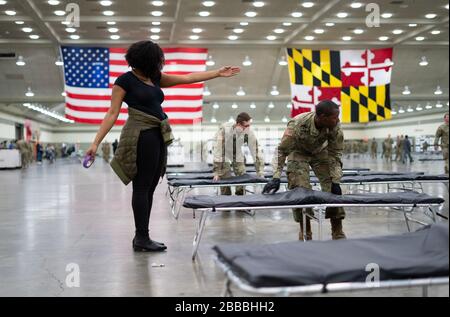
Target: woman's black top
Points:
(142, 96)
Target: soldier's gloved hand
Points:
(272, 187)
(336, 189)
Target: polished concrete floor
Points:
(55, 215)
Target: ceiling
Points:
(134, 22)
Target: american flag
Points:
(90, 73)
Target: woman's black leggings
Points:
(149, 151)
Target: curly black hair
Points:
(147, 57)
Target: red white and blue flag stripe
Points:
(90, 73)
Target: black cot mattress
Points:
(420, 254)
(302, 196)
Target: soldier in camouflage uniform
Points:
(399, 149)
(228, 151)
(388, 143)
(313, 140)
(106, 149)
(442, 134)
(374, 148)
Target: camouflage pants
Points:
(239, 169)
(388, 155)
(298, 176)
(445, 154)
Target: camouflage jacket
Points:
(228, 148)
(442, 133)
(303, 139)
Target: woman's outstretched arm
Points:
(173, 80)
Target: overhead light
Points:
(438, 91)
(287, 23)
(428, 106)
(233, 37)
(47, 112)
(243, 23)
(115, 37)
(412, 25)
(271, 105)
(253, 105)
(397, 32)
(238, 31)
(283, 61)
(19, 22)
(267, 119)
(406, 91)
(247, 61)
(410, 109)
(446, 6)
(154, 37)
(231, 120)
(113, 30)
(213, 120)
(106, 3)
(420, 38)
(10, 12)
(157, 13)
(108, 13)
(158, 3)
(289, 106)
(329, 24)
(65, 22)
(423, 61)
(59, 12)
(111, 23)
(258, 4)
(59, 62)
(208, 3)
(358, 31)
(387, 15)
(420, 108)
(206, 91)
(284, 120)
(271, 37)
(29, 92)
(431, 15)
(297, 14)
(251, 14)
(439, 104)
(197, 30)
(342, 15)
(216, 105)
(234, 105)
(319, 31)
(435, 32)
(204, 13)
(27, 30)
(394, 112)
(2, 2)
(401, 110)
(274, 91)
(383, 38)
(75, 37)
(71, 30)
(356, 5)
(309, 38)
(240, 92)
(279, 31)
(155, 30)
(308, 4)
(347, 38)
(64, 94)
(34, 37)
(210, 61)
(20, 61)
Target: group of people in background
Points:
(403, 149)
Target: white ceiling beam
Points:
(277, 69)
(178, 18)
(128, 19)
(244, 19)
(383, 21)
(419, 31)
(314, 19)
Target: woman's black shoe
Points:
(147, 245)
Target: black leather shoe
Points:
(147, 245)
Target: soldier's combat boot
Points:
(336, 229)
(308, 236)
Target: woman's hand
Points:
(229, 71)
(92, 151)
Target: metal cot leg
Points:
(199, 233)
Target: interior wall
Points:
(8, 129)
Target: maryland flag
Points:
(357, 80)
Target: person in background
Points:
(374, 149)
(442, 135)
(115, 145)
(406, 150)
(106, 149)
(388, 146)
(399, 149)
(39, 153)
(425, 146)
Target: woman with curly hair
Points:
(142, 152)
